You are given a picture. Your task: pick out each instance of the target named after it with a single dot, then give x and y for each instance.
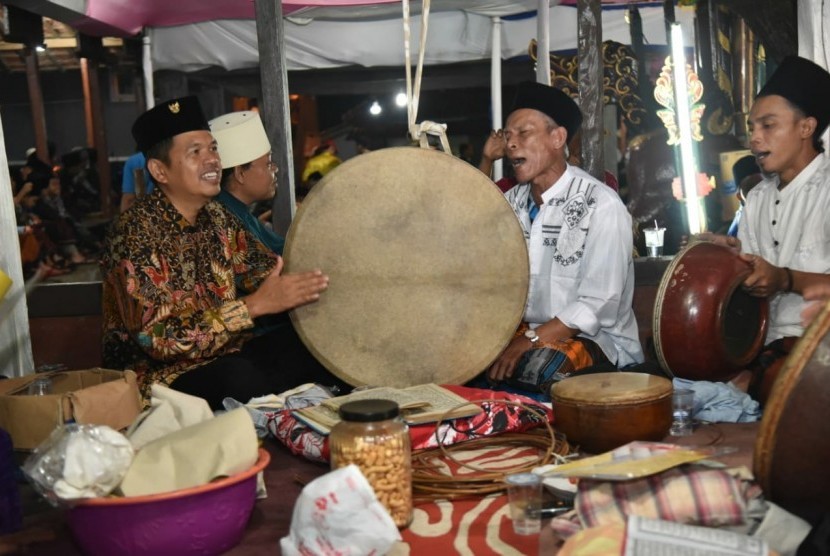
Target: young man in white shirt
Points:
(784, 233)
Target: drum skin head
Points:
(793, 444)
(428, 269)
(706, 327)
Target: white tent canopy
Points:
(454, 36)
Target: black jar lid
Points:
(369, 410)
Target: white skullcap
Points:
(240, 137)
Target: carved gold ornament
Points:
(664, 94)
(174, 107)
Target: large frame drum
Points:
(428, 269)
(706, 327)
(793, 444)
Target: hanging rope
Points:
(419, 132)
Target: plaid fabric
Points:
(691, 495)
(541, 367)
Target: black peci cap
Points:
(805, 84)
(551, 101)
(168, 119)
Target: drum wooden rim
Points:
(777, 466)
(430, 287)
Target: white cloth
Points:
(170, 411)
(790, 228)
(581, 262)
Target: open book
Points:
(425, 403)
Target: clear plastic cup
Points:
(524, 494)
(41, 386)
(654, 241)
(682, 402)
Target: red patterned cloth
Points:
(480, 526)
(497, 418)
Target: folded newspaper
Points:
(424, 403)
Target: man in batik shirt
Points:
(174, 267)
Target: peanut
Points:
(383, 461)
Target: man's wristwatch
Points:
(531, 335)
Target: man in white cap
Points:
(248, 174)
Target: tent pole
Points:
(147, 68)
(96, 133)
(36, 101)
(543, 42)
(276, 113)
(495, 89)
(589, 52)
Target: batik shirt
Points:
(170, 289)
(790, 228)
(581, 262)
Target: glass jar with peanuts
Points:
(373, 436)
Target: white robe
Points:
(581, 262)
(790, 228)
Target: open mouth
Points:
(516, 162)
(760, 156)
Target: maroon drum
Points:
(706, 327)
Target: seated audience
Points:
(59, 224)
(38, 253)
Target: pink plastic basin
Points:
(208, 519)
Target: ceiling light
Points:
(375, 109)
(400, 99)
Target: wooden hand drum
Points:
(428, 269)
(603, 411)
(706, 327)
(793, 444)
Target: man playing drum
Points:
(579, 239)
(176, 270)
(784, 233)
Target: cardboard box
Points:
(91, 396)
